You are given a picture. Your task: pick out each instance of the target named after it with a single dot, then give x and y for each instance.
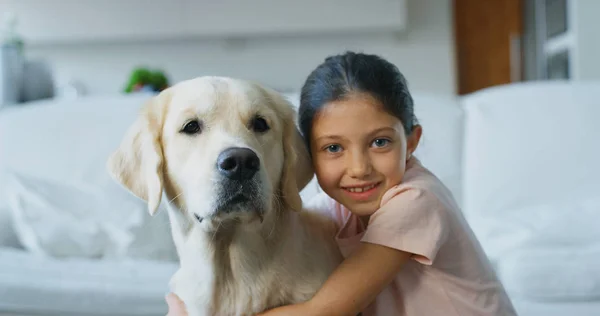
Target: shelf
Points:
(209, 17)
(48, 22)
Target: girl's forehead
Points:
(352, 118)
(352, 110)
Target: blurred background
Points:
(443, 46)
(507, 92)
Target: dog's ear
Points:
(297, 164)
(137, 163)
(297, 169)
(304, 167)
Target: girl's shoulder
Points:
(419, 183)
(415, 216)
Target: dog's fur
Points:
(244, 246)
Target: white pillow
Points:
(531, 152)
(547, 252)
(528, 144)
(570, 223)
(75, 220)
(552, 273)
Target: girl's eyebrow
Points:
(329, 137)
(382, 129)
(370, 134)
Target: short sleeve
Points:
(413, 220)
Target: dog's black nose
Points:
(238, 163)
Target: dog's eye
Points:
(191, 127)
(259, 124)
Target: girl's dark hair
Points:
(341, 75)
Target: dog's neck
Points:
(239, 258)
(233, 244)
(243, 256)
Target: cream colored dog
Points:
(223, 154)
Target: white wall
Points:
(424, 53)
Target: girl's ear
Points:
(412, 141)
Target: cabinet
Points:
(59, 21)
(72, 21)
(242, 17)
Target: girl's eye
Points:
(333, 148)
(381, 142)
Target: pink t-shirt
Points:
(449, 274)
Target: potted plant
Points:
(144, 79)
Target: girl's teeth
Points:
(359, 190)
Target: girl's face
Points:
(359, 152)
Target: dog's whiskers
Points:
(278, 207)
(176, 196)
(215, 233)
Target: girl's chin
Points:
(362, 208)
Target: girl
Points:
(408, 250)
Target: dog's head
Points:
(220, 149)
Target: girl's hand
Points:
(176, 306)
(357, 281)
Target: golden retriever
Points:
(226, 157)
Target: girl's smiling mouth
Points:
(361, 192)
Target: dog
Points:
(227, 158)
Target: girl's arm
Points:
(353, 285)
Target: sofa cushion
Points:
(552, 274)
(35, 285)
(62, 219)
(54, 150)
(527, 145)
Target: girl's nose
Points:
(359, 166)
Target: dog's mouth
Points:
(235, 202)
(231, 203)
(235, 193)
(235, 207)
(238, 199)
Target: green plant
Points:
(143, 77)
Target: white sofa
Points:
(521, 159)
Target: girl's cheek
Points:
(327, 171)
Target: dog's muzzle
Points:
(239, 186)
